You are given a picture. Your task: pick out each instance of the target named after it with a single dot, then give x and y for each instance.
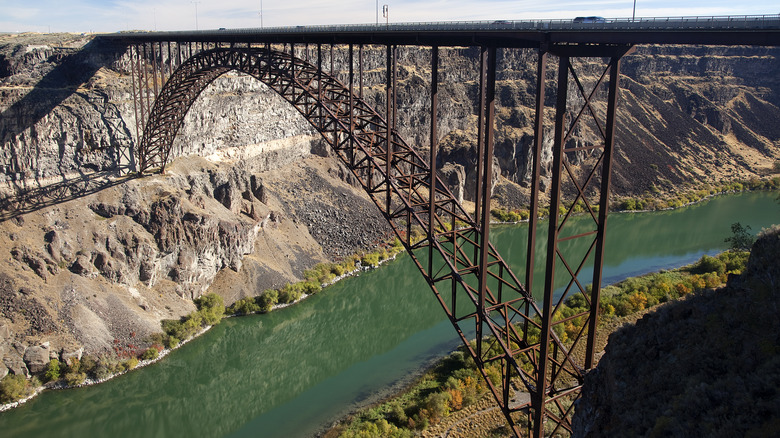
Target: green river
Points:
(293, 371)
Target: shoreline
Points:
(61, 385)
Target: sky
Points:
(120, 15)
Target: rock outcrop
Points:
(707, 365)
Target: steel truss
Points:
(515, 338)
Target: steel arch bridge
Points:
(474, 285)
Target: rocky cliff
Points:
(90, 255)
(704, 366)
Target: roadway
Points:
(762, 30)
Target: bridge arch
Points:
(475, 286)
(292, 78)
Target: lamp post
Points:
(386, 14)
(633, 15)
(261, 14)
(377, 12)
(196, 14)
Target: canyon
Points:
(91, 254)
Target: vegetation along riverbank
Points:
(89, 370)
(451, 399)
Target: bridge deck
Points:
(761, 30)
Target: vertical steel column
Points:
(145, 88)
(154, 72)
(319, 86)
(395, 89)
(434, 146)
(331, 59)
(552, 248)
(389, 114)
(536, 153)
(606, 173)
(351, 154)
(292, 70)
(360, 67)
(486, 159)
(480, 134)
(170, 60)
(133, 75)
(162, 65)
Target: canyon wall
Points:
(253, 196)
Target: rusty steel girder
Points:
(474, 285)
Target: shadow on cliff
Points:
(27, 200)
(63, 81)
(72, 72)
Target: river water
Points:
(293, 371)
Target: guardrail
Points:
(647, 23)
(655, 24)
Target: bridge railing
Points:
(714, 22)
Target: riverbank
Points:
(318, 277)
(450, 399)
(88, 371)
(654, 201)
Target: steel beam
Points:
(482, 289)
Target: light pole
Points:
(633, 15)
(261, 14)
(196, 14)
(377, 12)
(386, 14)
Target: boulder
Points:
(69, 354)
(15, 363)
(37, 358)
(83, 266)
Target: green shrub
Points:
(131, 363)
(211, 308)
(735, 261)
(708, 264)
(290, 293)
(268, 300)
(52, 371)
(173, 328)
(172, 342)
(13, 388)
(245, 306)
(370, 259)
(151, 353)
(310, 287)
(75, 378)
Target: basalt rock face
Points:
(685, 114)
(93, 259)
(707, 365)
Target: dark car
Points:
(590, 20)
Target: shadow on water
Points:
(71, 72)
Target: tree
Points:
(211, 307)
(52, 371)
(741, 239)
